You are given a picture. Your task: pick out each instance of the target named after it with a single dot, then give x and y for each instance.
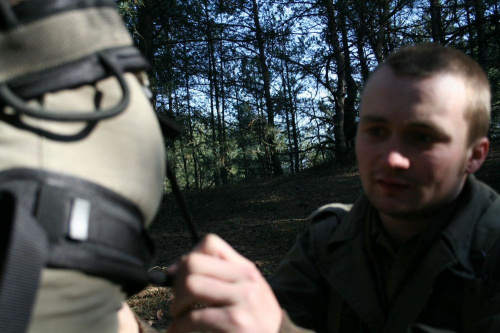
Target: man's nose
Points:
(397, 160)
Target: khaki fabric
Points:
(50, 42)
(125, 154)
(69, 301)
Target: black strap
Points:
(29, 11)
(24, 254)
(37, 213)
(8, 19)
(8, 97)
(193, 229)
(86, 70)
(113, 243)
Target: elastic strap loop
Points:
(7, 16)
(11, 99)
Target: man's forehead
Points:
(421, 123)
(413, 88)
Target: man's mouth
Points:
(392, 185)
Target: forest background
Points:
(265, 88)
(268, 95)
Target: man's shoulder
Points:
(487, 230)
(337, 210)
(324, 221)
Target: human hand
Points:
(127, 323)
(238, 298)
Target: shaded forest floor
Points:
(260, 219)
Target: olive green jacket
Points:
(326, 284)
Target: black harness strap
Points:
(59, 221)
(8, 97)
(89, 228)
(8, 19)
(26, 251)
(29, 11)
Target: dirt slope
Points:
(260, 219)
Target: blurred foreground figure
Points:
(418, 252)
(82, 166)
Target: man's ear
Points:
(478, 152)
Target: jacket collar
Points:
(457, 236)
(348, 271)
(352, 226)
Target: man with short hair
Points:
(417, 252)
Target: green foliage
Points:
(207, 73)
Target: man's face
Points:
(411, 144)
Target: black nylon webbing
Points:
(116, 246)
(25, 254)
(29, 11)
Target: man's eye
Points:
(377, 132)
(422, 138)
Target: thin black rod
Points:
(193, 229)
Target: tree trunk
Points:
(145, 29)
(471, 32)
(365, 72)
(190, 120)
(286, 108)
(181, 144)
(340, 140)
(295, 141)
(184, 163)
(241, 133)
(212, 77)
(351, 86)
(436, 22)
(293, 112)
(276, 164)
(220, 122)
(482, 43)
(496, 33)
(382, 25)
(318, 134)
(375, 39)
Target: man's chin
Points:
(408, 215)
(400, 211)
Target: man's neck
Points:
(400, 230)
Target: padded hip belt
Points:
(52, 220)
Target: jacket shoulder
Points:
(324, 221)
(337, 210)
(487, 231)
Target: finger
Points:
(201, 320)
(202, 264)
(215, 246)
(126, 320)
(201, 289)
